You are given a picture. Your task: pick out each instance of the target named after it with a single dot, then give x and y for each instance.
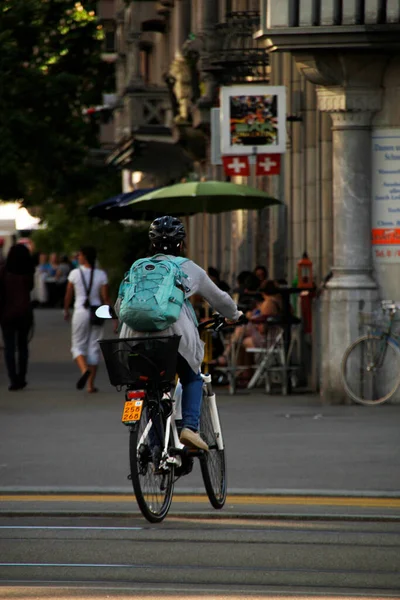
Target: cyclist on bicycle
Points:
(167, 236)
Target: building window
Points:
(243, 5)
(145, 66)
(109, 42)
(109, 36)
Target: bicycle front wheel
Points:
(213, 463)
(371, 370)
(153, 486)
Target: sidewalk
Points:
(54, 438)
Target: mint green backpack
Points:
(152, 293)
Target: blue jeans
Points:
(192, 385)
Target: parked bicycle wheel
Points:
(371, 370)
(213, 464)
(153, 486)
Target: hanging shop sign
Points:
(253, 119)
(386, 195)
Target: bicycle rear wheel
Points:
(371, 370)
(213, 463)
(153, 487)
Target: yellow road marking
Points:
(236, 500)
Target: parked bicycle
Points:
(371, 364)
(152, 411)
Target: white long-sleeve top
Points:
(191, 347)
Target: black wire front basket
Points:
(133, 360)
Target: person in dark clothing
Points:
(261, 273)
(214, 275)
(16, 316)
(244, 293)
(241, 280)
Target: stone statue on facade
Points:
(180, 77)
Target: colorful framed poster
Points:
(385, 232)
(253, 119)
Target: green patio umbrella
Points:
(203, 197)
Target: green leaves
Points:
(50, 69)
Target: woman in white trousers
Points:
(90, 287)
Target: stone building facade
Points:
(170, 59)
(339, 61)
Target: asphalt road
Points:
(183, 556)
(55, 438)
(313, 507)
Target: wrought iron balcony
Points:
(239, 58)
(150, 110)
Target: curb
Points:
(118, 491)
(333, 506)
(210, 516)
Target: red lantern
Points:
(304, 272)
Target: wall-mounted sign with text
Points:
(253, 119)
(386, 195)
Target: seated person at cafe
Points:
(267, 303)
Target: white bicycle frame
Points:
(176, 415)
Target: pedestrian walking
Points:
(41, 271)
(2, 259)
(16, 314)
(51, 282)
(89, 285)
(64, 269)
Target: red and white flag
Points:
(236, 165)
(268, 164)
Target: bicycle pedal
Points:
(161, 471)
(195, 452)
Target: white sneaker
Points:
(192, 439)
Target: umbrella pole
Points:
(207, 334)
(186, 224)
(206, 234)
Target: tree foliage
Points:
(50, 68)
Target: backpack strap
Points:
(121, 288)
(179, 260)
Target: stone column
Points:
(311, 160)
(133, 35)
(325, 197)
(349, 88)
(181, 25)
(351, 110)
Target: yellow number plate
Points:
(132, 411)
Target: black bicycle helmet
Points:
(166, 232)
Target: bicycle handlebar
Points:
(219, 322)
(390, 305)
(216, 323)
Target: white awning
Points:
(14, 211)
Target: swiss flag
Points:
(268, 164)
(236, 165)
